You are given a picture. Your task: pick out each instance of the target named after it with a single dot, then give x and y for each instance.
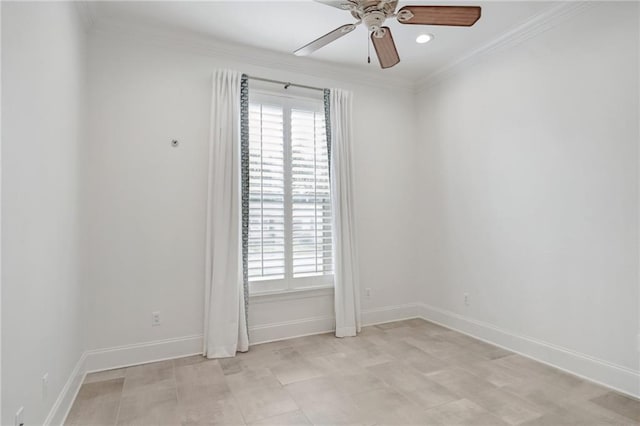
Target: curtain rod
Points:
(285, 83)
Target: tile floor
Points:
(404, 373)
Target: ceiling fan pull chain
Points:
(368, 49)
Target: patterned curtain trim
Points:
(327, 123)
(244, 159)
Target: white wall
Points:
(529, 188)
(146, 200)
(43, 89)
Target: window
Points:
(289, 199)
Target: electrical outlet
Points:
(45, 385)
(466, 299)
(155, 318)
(367, 292)
(19, 417)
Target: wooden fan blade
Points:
(459, 16)
(325, 39)
(385, 48)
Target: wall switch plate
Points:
(155, 318)
(19, 417)
(466, 299)
(367, 292)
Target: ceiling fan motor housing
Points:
(374, 20)
(373, 13)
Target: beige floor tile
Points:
(264, 358)
(494, 373)
(295, 371)
(97, 403)
(436, 346)
(231, 365)
(460, 412)
(577, 389)
(104, 390)
(400, 376)
(538, 392)
(422, 361)
(510, 408)
(583, 413)
(527, 365)
(190, 360)
(332, 387)
(475, 347)
(250, 378)
(619, 404)
(144, 384)
(351, 384)
(149, 377)
(103, 413)
(486, 350)
(336, 363)
(151, 407)
(426, 328)
(386, 406)
(202, 372)
(370, 356)
(201, 393)
(460, 382)
(308, 392)
(390, 325)
(322, 403)
(555, 390)
(431, 395)
(335, 411)
(210, 412)
(352, 344)
(316, 348)
(261, 403)
(293, 418)
(151, 369)
(101, 376)
(407, 373)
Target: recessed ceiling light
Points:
(424, 38)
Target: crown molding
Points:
(531, 28)
(264, 58)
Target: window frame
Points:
(288, 284)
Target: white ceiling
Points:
(284, 26)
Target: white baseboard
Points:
(142, 353)
(614, 376)
(60, 409)
(389, 314)
(265, 333)
(158, 350)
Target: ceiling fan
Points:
(373, 13)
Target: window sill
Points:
(298, 293)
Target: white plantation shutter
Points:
(311, 208)
(289, 195)
(266, 192)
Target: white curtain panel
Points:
(225, 328)
(347, 289)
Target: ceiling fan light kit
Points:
(424, 38)
(373, 13)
